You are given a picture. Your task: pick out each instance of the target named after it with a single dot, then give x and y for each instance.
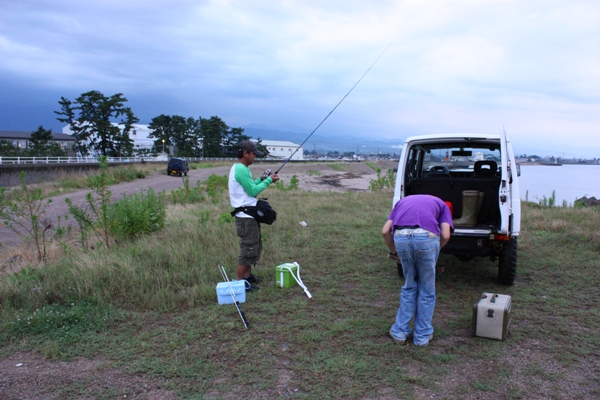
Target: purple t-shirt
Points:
(421, 210)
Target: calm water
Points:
(570, 182)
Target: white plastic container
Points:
(491, 316)
(224, 294)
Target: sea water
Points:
(569, 182)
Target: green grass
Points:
(337, 167)
(204, 165)
(371, 165)
(148, 308)
(70, 181)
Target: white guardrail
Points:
(91, 160)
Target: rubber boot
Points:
(470, 203)
(479, 204)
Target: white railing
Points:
(137, 159)
(71, 160)
(91, 160)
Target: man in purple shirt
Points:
(417, 228)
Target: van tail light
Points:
(497, 236)
(451, 207)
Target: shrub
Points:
(215, 186)
(26, 215)
(217, 183)
(293, 184)
(383, 182)
(125, 174)
(137, 214)
(185, 194)
(98, 202)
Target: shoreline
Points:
(552, 164)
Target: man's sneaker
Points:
(425, 344)
(253, 279)
(252, 288)
(402, 342)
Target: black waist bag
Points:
(262, 212)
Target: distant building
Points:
(283, 150)
(21, 140)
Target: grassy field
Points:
(148, 309)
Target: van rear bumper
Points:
(473, 244)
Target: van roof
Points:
(453, 136)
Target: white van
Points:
(476, 175)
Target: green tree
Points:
(231, 139)
(162, 132)
(7, 149)
(261, 147)
(41, 144)
(90, 119)
(218, 139)
(214, 132)
(182, 133)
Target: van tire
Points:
(507, 263)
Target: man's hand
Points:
(275, 178)
(394, 256)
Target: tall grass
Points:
(204, 165)
(68, 181)
(152, 308)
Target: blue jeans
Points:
(418, 253)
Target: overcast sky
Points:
(531, 67)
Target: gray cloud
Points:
(532, 67)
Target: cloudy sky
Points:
(531, 67)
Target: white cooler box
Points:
(224, 293)
(491, 316)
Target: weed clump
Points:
(26, 215)
(383, 182)
(137, 215)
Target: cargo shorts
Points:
(248, 229)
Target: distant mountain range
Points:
(345, 143)
(324, 143)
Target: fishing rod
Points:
(331, 112)
(235, 300)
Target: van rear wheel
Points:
(507, 263)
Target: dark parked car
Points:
(178, 166)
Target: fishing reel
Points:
(265, 175)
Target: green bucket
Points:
(283, 277)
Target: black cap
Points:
(249, 146)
